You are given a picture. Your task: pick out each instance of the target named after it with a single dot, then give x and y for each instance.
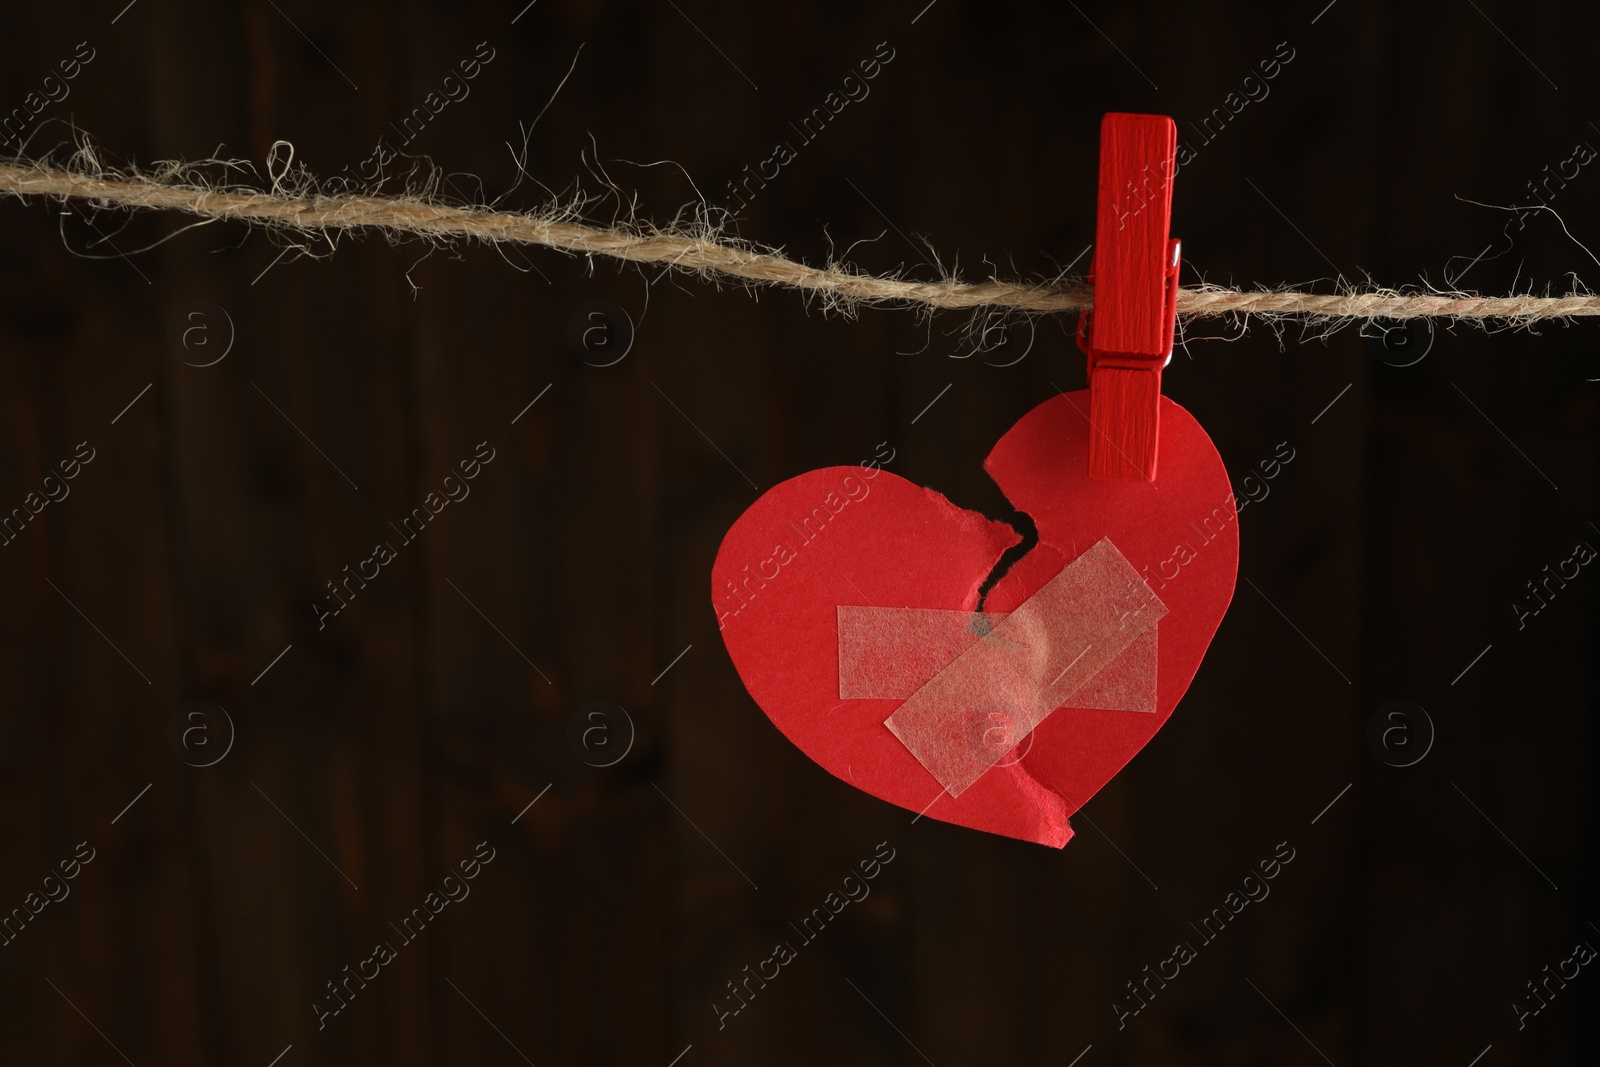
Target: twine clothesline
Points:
(709, 254)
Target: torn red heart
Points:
(853, 536)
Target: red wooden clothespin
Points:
(1134, 275)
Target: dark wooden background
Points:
(428, 714)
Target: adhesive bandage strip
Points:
(1087, 637)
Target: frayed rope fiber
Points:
(708, 256)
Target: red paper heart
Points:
(862, 536)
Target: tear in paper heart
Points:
(847, 598)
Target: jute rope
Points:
(402, 215)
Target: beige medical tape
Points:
(972, 696)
